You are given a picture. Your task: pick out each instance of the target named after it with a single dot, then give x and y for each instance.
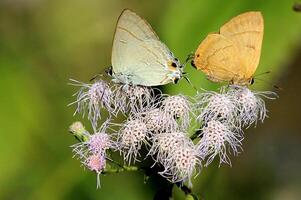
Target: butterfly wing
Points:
(217, 57)
(138, 56)
(246, 31)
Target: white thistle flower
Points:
(184, 163)
(216, 106)
(179, 107)
(133, 98)
(178, 155)
(217, 139)
(164, 143)
(158, 121)
(251, 106)
(131, 136)
(92, 98)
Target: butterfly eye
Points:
(252, 81)
(192, 64)
(173, 64)
(176, 59)
(109, 71)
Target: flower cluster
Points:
(178, 155)
(157, 127)
(223, 115)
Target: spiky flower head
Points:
(250, 104)
(92, 98)
(216, 106)
(179, 107)
(95, 143)
(217, 139)
(92, 147)
(177, 154)
(132, 135)
(77, 127)
(79, 131)
(183, 163)
(133, 98)
(164, 143)
(99, 142)
(158, 121)
(95, 162)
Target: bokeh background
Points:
(43, 43)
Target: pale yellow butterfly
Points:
(139, 57)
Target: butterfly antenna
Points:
(189, 57)
(108, 71)
(263, 73)
(269, 83)
(189, 82)
(94, 77)
(278, 87)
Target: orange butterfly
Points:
(233, 54)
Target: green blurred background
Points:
(44, 43)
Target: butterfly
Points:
(232, 55)
(139, 57)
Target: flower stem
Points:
(187, 191)
(123, 169)
(196, 134)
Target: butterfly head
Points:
(242, 81)
(246, 82)
(109, 71)
(176, 70)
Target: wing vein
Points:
(129, 32)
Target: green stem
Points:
(189, 195)
(122, 169)
(195, 135)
